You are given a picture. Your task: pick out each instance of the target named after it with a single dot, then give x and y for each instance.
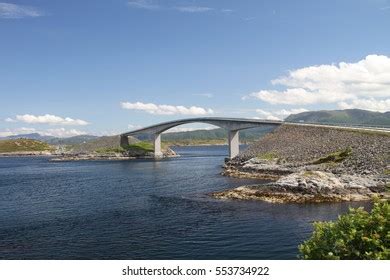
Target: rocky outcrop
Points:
(111, 155)
(313, 164)
(300, 145)
(310, 186)
(25, 154)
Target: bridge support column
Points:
(124, 141)
(234, 143)
(157, 145)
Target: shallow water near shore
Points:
(144, 209)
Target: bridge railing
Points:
(363, 126)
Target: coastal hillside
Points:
(358, 151)
(349, 116)
(23, 145)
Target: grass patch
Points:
(140, 147)
(334, 157)
(308, 173)
(23, 145)
(386, 172)
(268, 156)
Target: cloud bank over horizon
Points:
(362, 85)
(46, 119)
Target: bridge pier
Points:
(157, 145)
(234, 143)
(124, 141)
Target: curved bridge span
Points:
(232, 125)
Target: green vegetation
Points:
(355, 235)
(23, 145)
(334, 157)
(309, 173)
(268, 156)
(386, 172)
(136, 148)
(142, 146)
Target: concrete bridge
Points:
(232, 125)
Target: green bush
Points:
(355, 235)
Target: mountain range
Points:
(348, 116)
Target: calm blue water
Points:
(143, 209)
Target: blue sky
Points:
(106, 66)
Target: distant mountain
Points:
(32, 136)
(53, 140)
(349, 116)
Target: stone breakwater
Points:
(313, 164)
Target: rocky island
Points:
(108, 148)
(99, 148)
(313, 164)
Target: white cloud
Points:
(5, 133)
(143, 4)
(9, 120)
(13, 11)
(367, 78)
(62, 132)
(367, 104)
(49, 119)
(16, 131)
(279, 114)
(133, 126)
(153, 5)
(193, 9)
(165, 109)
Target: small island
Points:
(99, 148)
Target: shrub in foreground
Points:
(355, 235)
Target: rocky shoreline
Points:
(110, 156)
(59, 157)
(323, 165)
(27, 154)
